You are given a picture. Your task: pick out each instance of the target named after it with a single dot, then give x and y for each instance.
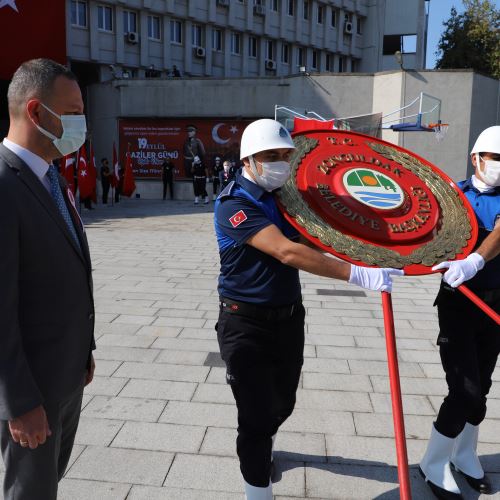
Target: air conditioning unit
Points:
(224, 3)
(348, 27)
(199, 52)
(270, 64)
(260, 10)
(132, 37)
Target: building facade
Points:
(242, 38)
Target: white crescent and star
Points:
(9, 3)
(215, 133)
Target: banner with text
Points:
(152, 141)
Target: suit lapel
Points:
(25, 174)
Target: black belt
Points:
(259, 312)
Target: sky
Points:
(439, 11)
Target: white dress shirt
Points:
(37, 165)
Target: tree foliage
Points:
(471, 39)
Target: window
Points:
(196, 35)
(275, 5)
(301, 60)
(129, 21)
(270, 50)
(176, 31)
(359, 26)
(79, 14)
(333, 20)
(217, 40)
(341, 64)
(321, 13)
(104, 18)
(408, 44)
(285, 53)
(315, 59)
(307, 6)
(154, 31)
(235, 43)
(404, 43)
(329, 62)
(291, 8)
(252, 46)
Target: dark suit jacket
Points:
(46, 303)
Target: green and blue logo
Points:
(373, 188)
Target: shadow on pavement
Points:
(382, 472)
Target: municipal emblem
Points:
(373, 188)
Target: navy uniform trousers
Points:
(264, 357)
(469, 345)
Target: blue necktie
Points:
(55, 191)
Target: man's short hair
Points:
(34, 78)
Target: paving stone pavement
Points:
(159, 422)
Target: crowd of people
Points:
(47, 333)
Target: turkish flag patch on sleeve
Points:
(238, 218)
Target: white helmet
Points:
(262, 135)
(488, 141)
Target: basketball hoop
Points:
(440, 130)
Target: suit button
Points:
(91, 316)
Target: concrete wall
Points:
(470, 103)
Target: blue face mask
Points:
(74, 132)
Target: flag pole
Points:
(396, 399)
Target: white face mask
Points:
(274, 174)
(74, 132)
(490, 172)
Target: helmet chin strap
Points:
(253, 166)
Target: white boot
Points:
(465, 460)
(464, 456)
(256, 493)
(435, 466)
(196, 199)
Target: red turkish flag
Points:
(128, 178)
(31, 29)
(93, 174)
(238, 218)
(85, 184)
(115, 178)
(68, 170)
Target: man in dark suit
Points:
(46, 303)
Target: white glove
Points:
(377, 279)
(461, 270)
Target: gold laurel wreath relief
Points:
(449, 240)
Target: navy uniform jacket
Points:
(247, 274)
(487, 209)
(46, 303)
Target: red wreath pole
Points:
(397, 402)
(480, 303)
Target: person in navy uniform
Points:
(260, 329)
(216, 169)
(469, 340)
